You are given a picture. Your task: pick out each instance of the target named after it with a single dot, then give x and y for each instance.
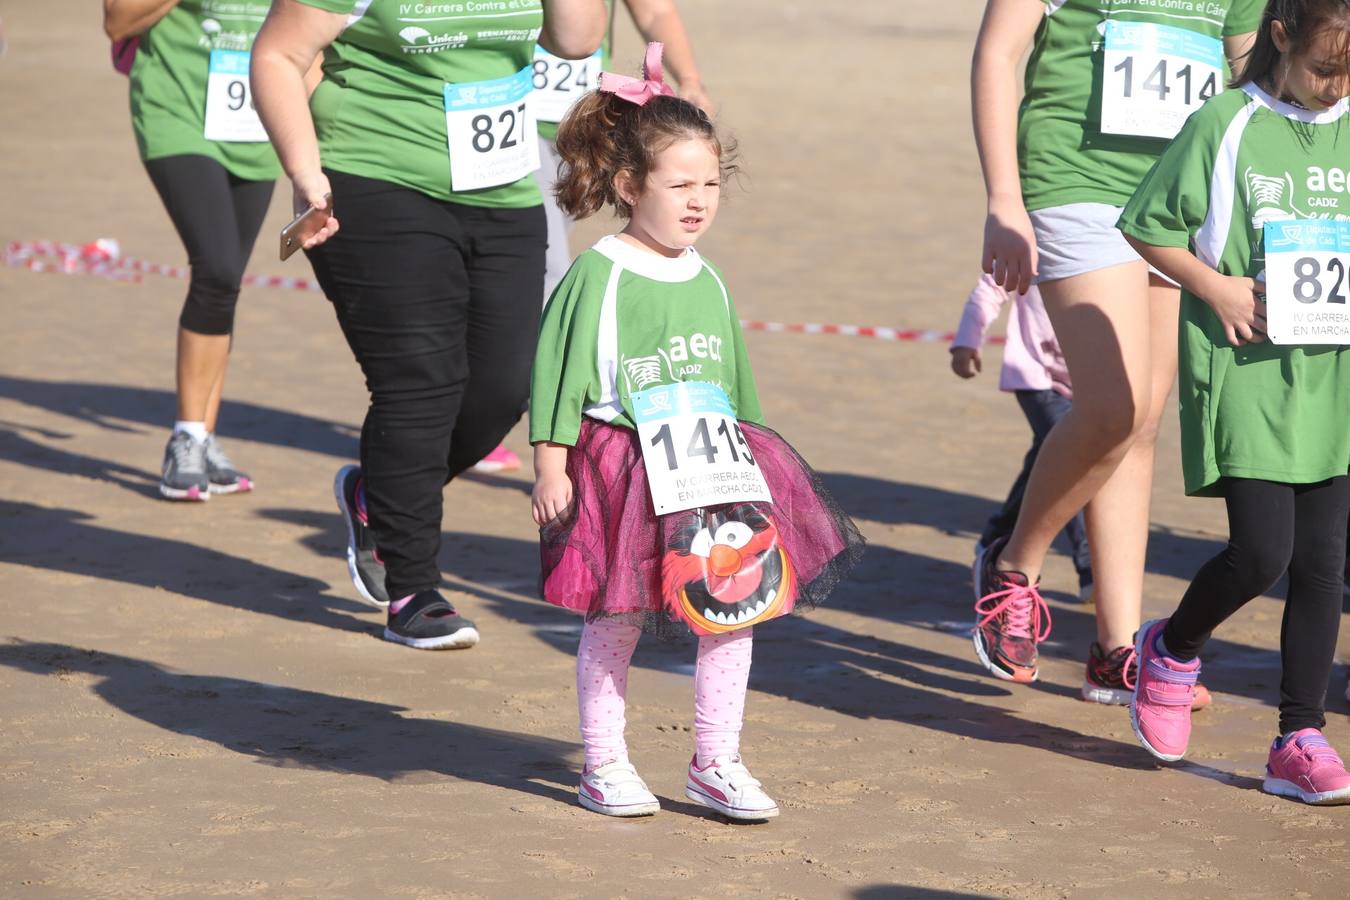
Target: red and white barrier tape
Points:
(103, 259)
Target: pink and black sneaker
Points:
(1164, 694)
(1303, 765)
(363, 562)
(1012, 619)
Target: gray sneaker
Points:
(184, 476)
(224, 476)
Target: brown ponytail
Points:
(603, 135)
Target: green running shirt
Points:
(168, 84)
(1064, 156)
(622, 320)
(380, 109)
(1276, 413)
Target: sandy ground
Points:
(192, 703)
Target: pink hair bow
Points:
(639, 91)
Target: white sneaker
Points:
(616, 789)
(727, 786)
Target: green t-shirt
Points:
(169, 83)
(549, 129)
(380, 109)
(1276, 413)
(623, 320)
(1064, 156)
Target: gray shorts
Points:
(1078, 237)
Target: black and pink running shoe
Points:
(1012, 618)
(363, 561)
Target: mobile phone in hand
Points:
(305, 226)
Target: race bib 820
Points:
(1307, 261)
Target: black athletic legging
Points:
(1276, 527)
(217, 216)
(439, 303)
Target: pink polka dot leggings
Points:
(720, 677)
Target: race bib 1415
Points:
(693, 448)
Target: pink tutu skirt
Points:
(610, 555)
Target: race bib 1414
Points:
(1155, 76)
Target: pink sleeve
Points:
(981, 308)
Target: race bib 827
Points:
(491, 133)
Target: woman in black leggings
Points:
(428, 151)
(208, 157)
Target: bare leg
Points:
(1103, 323)
(202, 359)
(1117, 517)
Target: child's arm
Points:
(1009, 242)
(1233, 299)
(981, 308)
(552, 488)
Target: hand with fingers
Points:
(1010, 247)
(1239, 304)
(966, 361)
(313, 192)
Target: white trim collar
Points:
(650, 265)
(1297, 113)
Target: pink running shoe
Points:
(1303, 765)
(499, 460)
(1009, 622)
(1164, 693)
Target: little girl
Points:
(661, 496)
(1237, 209)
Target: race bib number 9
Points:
(491, 132)
(1155, 76)
(559, 83)
(230, 115)
(693, 448)
(1306, 289)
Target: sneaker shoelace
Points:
(216, 456)
(1023, 608)
(1121, 659)
(189, 454)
